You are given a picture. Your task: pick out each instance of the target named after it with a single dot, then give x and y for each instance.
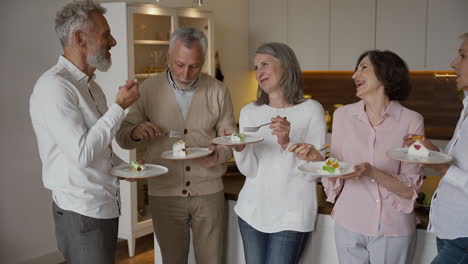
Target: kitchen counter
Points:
(233, 183)
(320, 247)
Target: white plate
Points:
(193, 154)
(314, 169)
(434, 157)
(150, 170)
(249, 139)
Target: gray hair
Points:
(73, 16)
(188, 36)
(291, 82)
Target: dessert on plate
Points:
(331, 166)
(179, 149)
(136, 166)
(238, 137)
(418, 149)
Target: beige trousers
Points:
(174, 216)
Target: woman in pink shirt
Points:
(374, 217)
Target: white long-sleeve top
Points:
(74, 130)
(449, 214)
(276, 196)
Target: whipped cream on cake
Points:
(179, 149)
(238, 137)
(418, 149)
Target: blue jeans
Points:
(452, 251)
(283, 247)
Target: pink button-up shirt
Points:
(363, 203)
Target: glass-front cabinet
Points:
(191, 17)
(152, 27)
(142, 33)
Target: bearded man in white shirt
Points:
(74, 130)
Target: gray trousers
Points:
(83, 239)
(354, 248)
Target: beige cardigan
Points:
(210, 113)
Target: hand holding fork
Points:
(308, 152)
(147, 130)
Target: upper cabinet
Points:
(149, 30)
(308, 32)
(401, 28)
(352, 32)
(267, 23)
(331, 34)
(447, 20)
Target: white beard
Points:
(100, 61)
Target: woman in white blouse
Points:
(277, 206)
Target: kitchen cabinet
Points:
(267, 23)
(446, 21)
(331, 34)
(142, 33)
(401, 28)
(352, 31)
(308, 32)
(319, 32)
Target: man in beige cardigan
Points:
(190, 195)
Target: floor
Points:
(144, 252)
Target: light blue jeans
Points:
(283, 247)
(452, 251)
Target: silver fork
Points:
(324, 147)
(174, 134)
(254, 129)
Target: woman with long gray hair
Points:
(277, 206)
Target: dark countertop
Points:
(233, 182)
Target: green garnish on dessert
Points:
(136, 166)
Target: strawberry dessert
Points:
(418, 149)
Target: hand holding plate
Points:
(411, 138)
(442, 168)
(359, 171)
(237, 148)
(210, 160)
(127, 179)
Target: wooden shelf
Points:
(151, 42)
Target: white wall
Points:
(28, 48)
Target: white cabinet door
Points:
(267, 23)
(352, 31)
(308, 32)
(401, 28)
(446, 21)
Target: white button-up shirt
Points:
(449, 214)
(74, 131)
